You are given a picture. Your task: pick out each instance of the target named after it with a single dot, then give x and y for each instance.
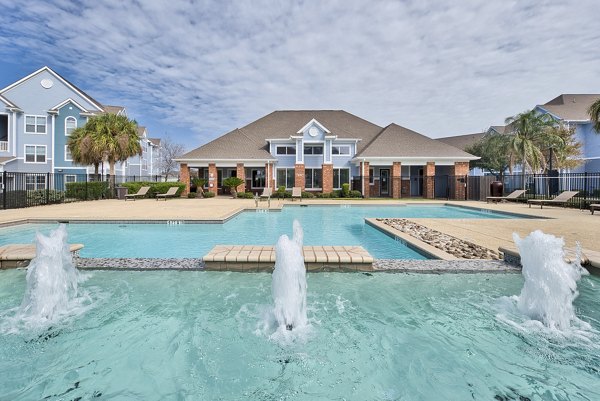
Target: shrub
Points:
(355, 194)
(323, 195)
(42, 196)
(345, 190)
(232, 182)
(209, 194)
(308, 195)
(245, 195)
(191, 195)
(155, 187)
(87, 190)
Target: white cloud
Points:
(208, 67)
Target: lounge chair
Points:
(513, 196)
(266, 195)
(139, 194)
(560, 199)
(594, 206)
(169, 194)
(297, 193)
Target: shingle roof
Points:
(155, 141)
(462, 141)
(140, 130)
(498, 128)
(397, 141)
(571, 106)
(4, 160)
(113, 109)
(249, 142)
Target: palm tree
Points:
(80, 145)
(115, 137)
(594, 112)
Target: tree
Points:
(528, 131)
(169, 150)
(493, 150)
(115, 137)
(233, 183)
(562, 148)
(80, 144)
(594, 112)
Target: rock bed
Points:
(138, 264)
(447, 243)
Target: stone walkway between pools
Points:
(574, 225)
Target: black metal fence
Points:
(19, 190)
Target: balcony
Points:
(3, 146)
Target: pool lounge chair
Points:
(594, 206)
(560, 199)
(297, 193)
(513, 196)
(139, 194)
(169, 194)
(267, 193)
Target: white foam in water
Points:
(288, 286)
(550, 287)
(52, 291)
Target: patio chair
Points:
(297, 193)
(139, 194)
(560, 199)
(266, 195)
(594, 206)
(169, 194)
(513, 196)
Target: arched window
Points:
(70, 125)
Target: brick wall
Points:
(184, 176)
(241, 173)
(396, 180)
(212, 178)
(461, 170)
(429, 180)
(327, 170)
(299, 179)
(365, 173)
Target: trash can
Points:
(496, 188)
(121, 192)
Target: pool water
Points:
(324, 225)
(199, 336)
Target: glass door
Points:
(384, 182)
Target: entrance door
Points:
(384, 182)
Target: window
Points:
(258, 178)
(371, 176)
(144, 164)
(285, 177)
(340, 150)
(68, 155)
(69, 178)
(35, 153)
(35, 124)
(35, 182)
(286, 150)
(70, 125)
(340, 176)
(312, 178)
(313, 149)
(3, 131)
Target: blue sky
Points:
(197, 69)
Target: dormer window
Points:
(70, 125)
(313, 149)
(286, 150)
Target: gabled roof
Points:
(69, 100)
(118, 110)
(141, 129)
(395, 141)
(81, 93)
(500, 129)
(462, 141)
(571, 107)
(249, 142)
(154, 141)
(8, 102)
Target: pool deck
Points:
(571, 224)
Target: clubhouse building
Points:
(320, 150)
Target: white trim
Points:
(67, 160)
(53, 120)
(60, 105)
(35, 154)
(287, 148)
(7, 102)
(61, 79)
(315, 122)
(280, 140)
(341, 183)
(35, 124)
(66, 119)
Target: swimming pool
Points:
(199, 335)
(323, 225)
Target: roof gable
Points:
(571, 107)
(64, 103)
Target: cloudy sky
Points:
(197, 69)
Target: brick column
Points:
(184, 177)
(396, 180)
(429, 181)
(327, 170)
(299, 179)
(212, 178)
(461, 171)
(269, 180)
(365, 174)
(241, 174)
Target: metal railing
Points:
(19, 190)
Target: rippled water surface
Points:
(202, 335)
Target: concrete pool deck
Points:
(572, 224)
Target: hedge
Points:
(155, 187)
(87, 190)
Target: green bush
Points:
(345, 190)
(192, 195)
(209, 194)
(87, 190)
(245, 195)
(308, 195)
(42, 196)
(232, 182)
(155, 187)
(323, 195)
(355, 194)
